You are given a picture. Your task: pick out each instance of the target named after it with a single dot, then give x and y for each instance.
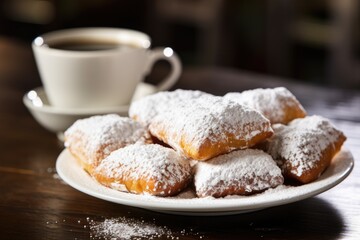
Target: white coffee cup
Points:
(98, 67)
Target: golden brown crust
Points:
(240, 172)
(237, 188)
(208, 149)
(210, 126)
(320, 164)
(278, 105)
(142, 185)
(145, 169)
(305, 147)
(88, 161)
(291, 113)
(92, 139)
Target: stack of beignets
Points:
(212, 133)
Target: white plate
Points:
(186, 204)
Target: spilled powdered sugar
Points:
(148, 162)
(302, 142)
(208, 118)
(251, 169)
(125, 228)
(109, 131)
(260, 99)
(145, 109)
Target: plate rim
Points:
(202, 206)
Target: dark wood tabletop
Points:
(36, 204)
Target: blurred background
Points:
(312, 41)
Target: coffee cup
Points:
(98, 67)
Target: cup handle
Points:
(169, 55)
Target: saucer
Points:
(57, 120)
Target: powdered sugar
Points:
(278, 189)
(208, 119)
(125, 228)
(150, 162)
(271, 102)
(302, 142)
(100, 135)
(145, 109)
(246, 171)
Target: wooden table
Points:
(36, 204)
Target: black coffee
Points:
(87, 45)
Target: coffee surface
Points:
(89, 45)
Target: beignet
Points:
(145, 109)
(240, 172)
(278, 105)
(92, 139)
(208, 126)
(144, 169)
(304, 148)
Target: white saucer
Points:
(57, 119)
